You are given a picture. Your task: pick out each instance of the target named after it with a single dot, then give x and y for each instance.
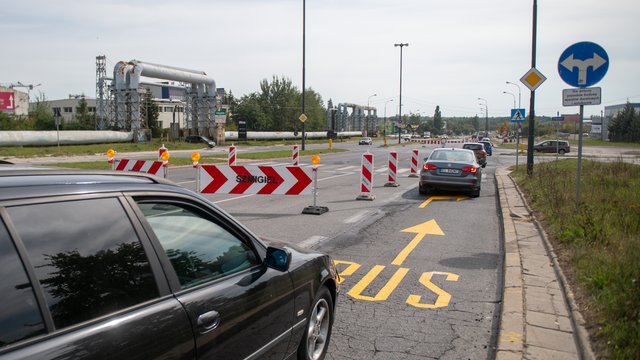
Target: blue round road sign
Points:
(583, 64)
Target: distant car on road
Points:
(365, 141)
(196, 139)
(488, 146)
(551, 146)
(478, 149)
(451, 169)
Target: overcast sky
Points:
(458, 50)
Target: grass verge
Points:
(600, 242)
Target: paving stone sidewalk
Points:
(539, 318)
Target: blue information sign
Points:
(518, 115)
(557, 118)
(583, 64)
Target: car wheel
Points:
(484, 165)
(475, 193)
(561, 151)
(315, 340)
(422, 190)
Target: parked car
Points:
(451, 169)
(196, 139)
(488, 146)
(552, 146)
(478, 150)
(118, 265)
(365, 141)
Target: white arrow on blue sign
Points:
(583, 64)
(517, 115)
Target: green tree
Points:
(475, 122)
(83, 120)
(625, 126)
(41, 118)
(250, 110)
(437, 121)
(149, 110)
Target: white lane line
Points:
(334, 176)
(185, 182)
(231, 199)
(357, 217)
(266, 163)
(312, 241)
(353, 167)
(381, 170)
(402, 171)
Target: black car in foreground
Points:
(451, 169)
(117, 265)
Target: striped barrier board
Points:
(414, 163)
(366, 178)
(393, 168)
(143, 166)
(295, 155)
(255, 179)
(232, 155)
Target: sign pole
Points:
(530, 139)
(579, 158)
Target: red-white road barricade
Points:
(393, 168)
(255, 179)
(232, 155)
(295, 155)
(366, 178)
(143, 166)
(414, 163)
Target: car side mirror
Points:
(278, 259)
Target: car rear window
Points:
(472, 146)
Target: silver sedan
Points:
(451, 169)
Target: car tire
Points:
(484, 165)
(423, 190)
(315, 341)
(561, 151)
(476, 193)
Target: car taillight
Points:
(470, 169)
(429, 167)
(483, 152)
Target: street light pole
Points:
(486, 115)
(304, 7)
(514, 97)
(400, 101)
(366, 123)
(519, 93)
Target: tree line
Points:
(625, 126)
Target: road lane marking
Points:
(314, 240)
(444, 298)
(231, 199)
(444, 197)
(334, 176)
(387, 289)
(357, 217)
(429, 227)
(348, 271)
(353, 167)
(185, 182)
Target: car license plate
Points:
(449, 171)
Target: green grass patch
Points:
(601, 240)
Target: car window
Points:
(20, 316)
(199, 249)
(87, 257)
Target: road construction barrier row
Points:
(264, 180)
(438, 141)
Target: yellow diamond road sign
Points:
(532, 79)
(303, 117)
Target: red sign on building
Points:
(7, 101)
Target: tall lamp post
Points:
(304, 7)
(401, 45)
(384, 131)
(514, 97)
(519, 93)
(519, 125)
(366, 123)
(486, 115)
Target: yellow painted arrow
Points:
(426, 228)
(431, 198)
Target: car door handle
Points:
(208, 321)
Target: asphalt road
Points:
(422, 276)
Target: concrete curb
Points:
(538, 314)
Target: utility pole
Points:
(532, 102)
(401, 45)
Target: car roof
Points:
(21, 181)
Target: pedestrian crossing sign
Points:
(517, 115)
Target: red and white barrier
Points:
(295, 155)
(143, 166)
(232, 155)
(393, 168)
(255, 179)
(414, 163)
(366, 178)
